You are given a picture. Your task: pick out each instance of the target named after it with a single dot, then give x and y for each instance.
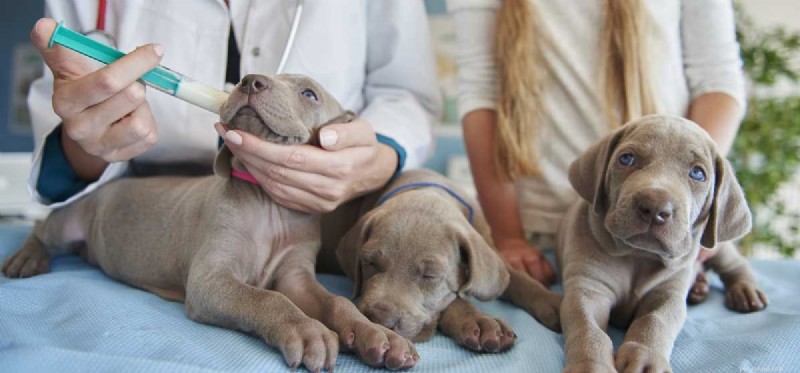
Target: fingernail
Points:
(233, 137)
(159, 49)
(328, 138)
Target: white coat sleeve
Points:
(52, 182)
(402, 97)
(474, 21)
(710, 50)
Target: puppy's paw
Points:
(590, 367)
(378, 346)
(545, 308)
(633, 357)
(699, 290)
(483, 333)
(309, 342)
(745, 297)
(30, 260)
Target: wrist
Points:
(86, 166)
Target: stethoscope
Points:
(99, 33)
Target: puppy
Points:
(221, 245)
(652, 193)
(420, 247)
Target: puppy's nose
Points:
(655, 206)
(253, 83)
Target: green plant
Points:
(766, 153)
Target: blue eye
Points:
(309, 94)
(626, 159)
(697, 173)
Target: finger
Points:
(289, 196)
(533, 269)
(131, 136)
(100, 85)
(64, 63)
(345, 135)
(95, 120)
(299, 157)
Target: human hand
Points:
(522, 256)
(103, 110)
(350, 163)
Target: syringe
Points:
(160, 78)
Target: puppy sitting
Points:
(221, 245)
(420, 247)
(653, 192)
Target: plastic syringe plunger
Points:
(161, 78)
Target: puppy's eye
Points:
(697, 173)
(309, 94)
(627, 159)
(430, 278)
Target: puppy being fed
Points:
(652, 193)
(221, 245)
(420, 249)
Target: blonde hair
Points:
(624, 77)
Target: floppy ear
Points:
(348, 253)
(587, 174)
(222, 163)
(487, 275)
(346, 117)
(729, 217)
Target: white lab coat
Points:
(375, 57)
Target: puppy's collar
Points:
(449, 191)
(243, 175)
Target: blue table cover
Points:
(76, 319)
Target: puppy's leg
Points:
(471, 328)
(584, 319)
(63, 231)
(741, 289)
(648, 343)
(533, 297)
(375, 345)
(215, 295)
(699, 290)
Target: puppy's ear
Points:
(487, 275)
(729, 217)
(222, 163)
(348, 253)
(345, 117)
(587, 174)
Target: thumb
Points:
(61, 61)
(41, 33)
(339, 136)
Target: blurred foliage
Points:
(766, 153)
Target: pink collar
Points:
(243, 175)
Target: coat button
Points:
(256, 51)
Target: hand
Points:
(104, 113)
(306, 178)
(521, 255)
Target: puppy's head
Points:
(661, 186)
(283, 109)
(412, 256)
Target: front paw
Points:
(378, 346)
(308, 341)
(483, 333)
(699, 290)
(745, 297)
(590, 367)
(633, 357)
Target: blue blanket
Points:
(75, 319)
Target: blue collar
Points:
(455, 195)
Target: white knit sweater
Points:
(696, 53)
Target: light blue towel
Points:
(75, 319)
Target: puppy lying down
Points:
(419, 249)
(221, 245)
(652, 193)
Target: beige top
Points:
(696, 50)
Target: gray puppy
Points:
(653, 192)
(420, 248)
(221, 245)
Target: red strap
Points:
(244, 175)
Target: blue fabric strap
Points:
(401, 154)
(449, 191)
(57, 180)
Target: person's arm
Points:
(713, 68)
(392, 132)
(477, 106)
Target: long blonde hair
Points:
(624, 79)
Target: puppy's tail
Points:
(530, 295)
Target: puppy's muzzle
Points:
(654, 206)
(254, 84)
